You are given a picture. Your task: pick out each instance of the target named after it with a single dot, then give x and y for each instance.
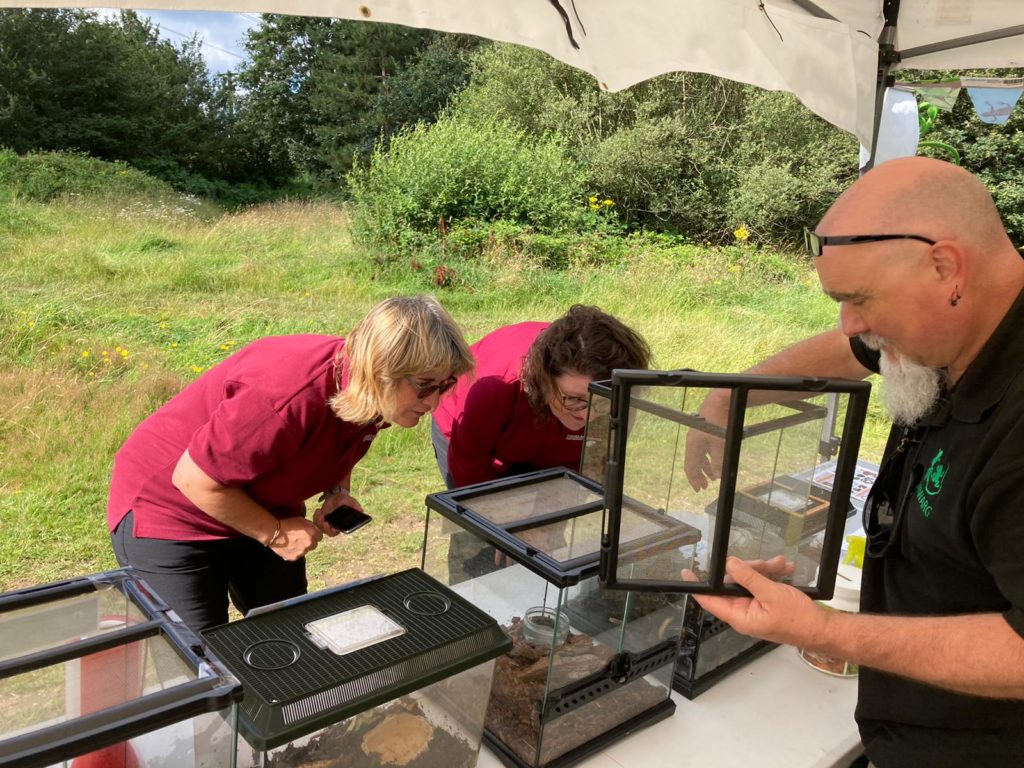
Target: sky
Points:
(222, 33)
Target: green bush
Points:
(659, 176)
(790, 167)
(536, 94)
(44, 176)
(435, 176)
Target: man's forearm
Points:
(978, 654)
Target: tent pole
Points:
(887, 56)
(962, 42)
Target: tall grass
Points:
(108, 307)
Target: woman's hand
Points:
(297, 537)
(331, 502)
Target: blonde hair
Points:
(399, 337)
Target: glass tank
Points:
(393, 670)
(587, 665)
(659, 416)
(96, 673)
(759, 499)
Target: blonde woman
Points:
(208, 494)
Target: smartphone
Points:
(347, 519)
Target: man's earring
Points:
(955, 296)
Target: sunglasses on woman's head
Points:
(426, 389)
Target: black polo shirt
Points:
(959, 550)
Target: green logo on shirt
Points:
(931, 484)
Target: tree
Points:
(312, 87)
(114, 90)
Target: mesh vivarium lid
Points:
(324, 657)
(549, 520)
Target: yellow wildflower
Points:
(85, 353)
(741, 234)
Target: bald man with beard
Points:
(929, 289)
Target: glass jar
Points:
(846, 599)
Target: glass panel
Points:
(511, 505)
(778, 508)
(62, 692)
(58, 622)
(653, 478)
(439, 725)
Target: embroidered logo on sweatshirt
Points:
(931, 484)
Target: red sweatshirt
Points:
(491, 428)
(259, 421)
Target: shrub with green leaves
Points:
(659, 175)
(44, 176)
(790, 167)
(457, 171)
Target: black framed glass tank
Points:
(390, 670)
(764, 501)
(587, 665)
(97, 672)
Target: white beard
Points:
(909, 390)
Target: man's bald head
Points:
(923, 196)
(934, 305)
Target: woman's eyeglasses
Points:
(572, 403)
(886, 504)
(425, 390)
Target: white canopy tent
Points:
(836, 56)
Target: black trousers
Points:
(195, 578)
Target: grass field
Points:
(108, 307)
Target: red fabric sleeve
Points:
(244, 438)
(489, 407)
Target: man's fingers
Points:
(744, 574)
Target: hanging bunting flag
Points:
(994, 97)
(942, 96)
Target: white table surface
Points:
(774, 711)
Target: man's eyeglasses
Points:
(886, 505)
(814, 243)
(572, 403)
(424, 391)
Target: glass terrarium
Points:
(788, 433)
(393, 670)
(588, 665)
(96, 673)
(759, 500)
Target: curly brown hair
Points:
(585, 341)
